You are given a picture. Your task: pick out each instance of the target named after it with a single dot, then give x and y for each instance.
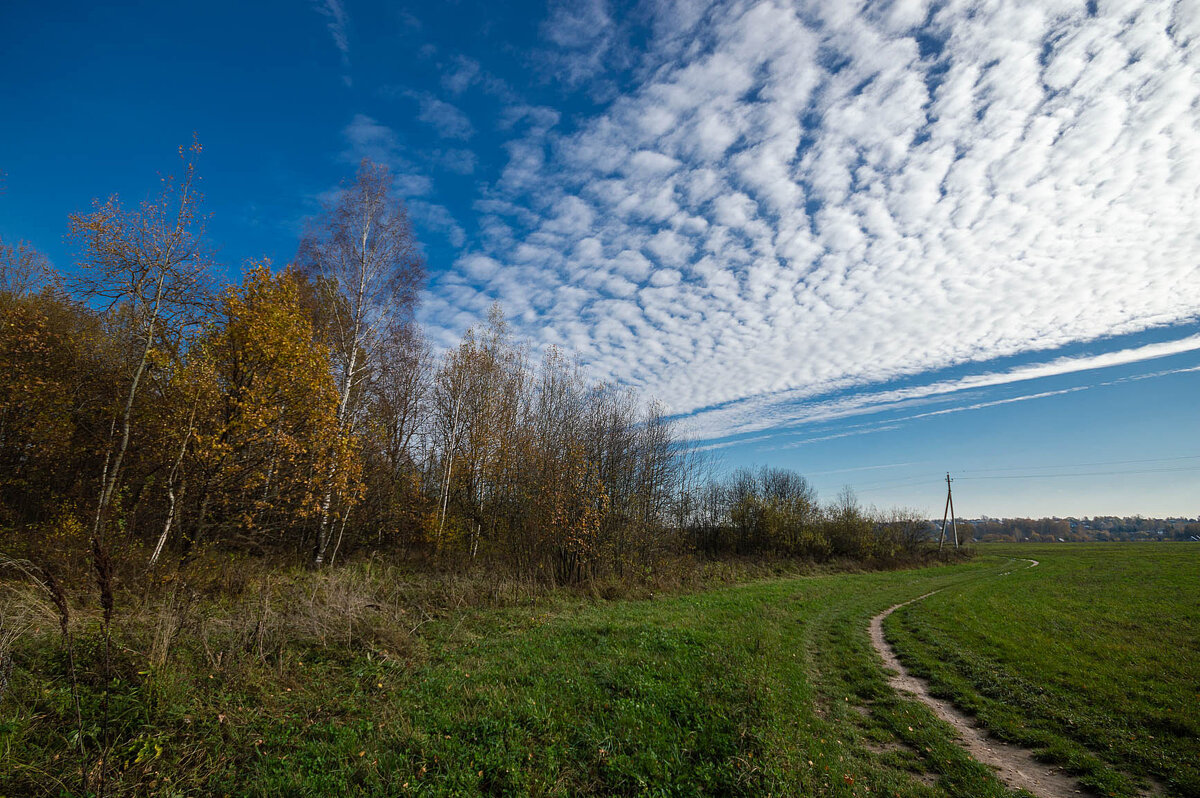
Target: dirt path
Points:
(1015, 766)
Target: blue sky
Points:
(872, 242)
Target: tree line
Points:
(149, 413)
(1099, 528)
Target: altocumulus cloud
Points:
(796, 199)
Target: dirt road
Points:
(1015, 766)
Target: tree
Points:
(902, 531)
(477, 399)
(193, 381)
(24, 270)
(397, 421)
(848, 527)
(272, 413)
(150, 263)
(794, 510)
(398, 393)
(450, 389)
(362, 255)
(47, 370)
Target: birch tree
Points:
(151, 263)
(399, 395)
(362, 255)
(397, 407)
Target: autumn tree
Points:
(902, 532)
(794, 515)
(398, 394)
(53, 365)
(305, 410)
(570, 508)
(396, 421)
(150, 264)
(192, 387)
(263, 455)
(24, 270)
(496, 381)
(451, 388)
(765, 511)
(362, 255)
(849, 528)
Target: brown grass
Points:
(231, 611)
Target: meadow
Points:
(765, 688)
(1091, 658)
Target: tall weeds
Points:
(44, 579)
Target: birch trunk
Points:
(110, 479)
(347, 384)
(171, 497)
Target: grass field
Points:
(769, 688)
(1092, 658)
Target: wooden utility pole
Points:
(949, 512)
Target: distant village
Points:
(1070, 530)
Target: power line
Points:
(1083, 465)
(986, 473)
(908, 480)
(1089, 473)
(909, 484)
(876, 487)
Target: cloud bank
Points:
(796, 199)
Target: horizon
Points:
(871, 246)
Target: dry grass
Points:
(21, 610)
(234, 610)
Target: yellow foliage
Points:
(274, 427)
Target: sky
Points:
(873, 242)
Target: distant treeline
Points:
(1099, 528)
(148, 415)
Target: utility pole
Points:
(949, 512)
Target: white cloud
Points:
(339, 28)
(339, 23)
(796, 200)
(794, 407)
(437, 217)
(584, 39)
(447, 120)
(461, 75)
(368, 138)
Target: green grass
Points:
(769, 688)
(1092, 658)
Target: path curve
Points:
(1015, 766)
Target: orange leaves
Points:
(151, 259)
(39, 338)
(274, 424)
(24, 270)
